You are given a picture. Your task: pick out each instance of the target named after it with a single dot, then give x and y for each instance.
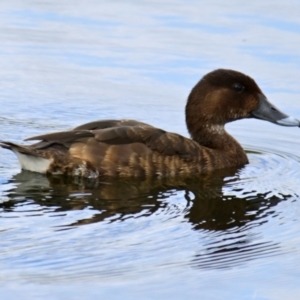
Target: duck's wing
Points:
(102, 124)
(149, 138)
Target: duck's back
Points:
(119, 148)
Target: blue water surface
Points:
(64, 63)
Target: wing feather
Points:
(155, 139)
(102, 124)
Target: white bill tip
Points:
(289, 121)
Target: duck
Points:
(130, 148)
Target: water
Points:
(226, 236)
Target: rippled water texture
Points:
(228, 235)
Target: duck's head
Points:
(223, 96)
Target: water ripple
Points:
(217, 221)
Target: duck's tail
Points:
(29, 158)
(17, 148)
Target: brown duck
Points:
(132, 148)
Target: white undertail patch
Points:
(33, 163)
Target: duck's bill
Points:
(268, 112)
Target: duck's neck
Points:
(205, 123)
(216, 138)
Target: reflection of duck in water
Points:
(205, 205)
(223, 224)
(131, 148)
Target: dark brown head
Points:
(223, 96)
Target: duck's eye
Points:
(238, 87)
